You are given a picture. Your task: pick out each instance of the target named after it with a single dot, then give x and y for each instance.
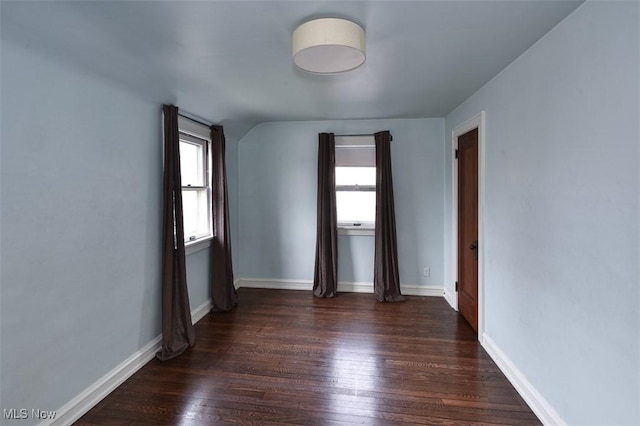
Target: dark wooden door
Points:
(468, 227)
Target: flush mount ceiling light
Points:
(328, 46)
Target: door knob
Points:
(474, 246)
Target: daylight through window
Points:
(196, 181)
(356, 181)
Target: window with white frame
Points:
(356, 181)
(195, 172)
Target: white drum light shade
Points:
(328, 46)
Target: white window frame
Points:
(350, 227)
(196, 133)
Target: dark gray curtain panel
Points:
(223, 293)
(325, 278)
(386, 279)
(177, 330)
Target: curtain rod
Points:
(360, 134)
(195, 120)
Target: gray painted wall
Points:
(231, 156)
(198, 272)
(277, 204)
(81, 178)
(561, 228)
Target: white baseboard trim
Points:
(343, 287)
(421, 290)
(449, 297)
(201, 311)
(538, 404)
(275, 284)
(87, 399)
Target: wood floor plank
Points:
(285, 357)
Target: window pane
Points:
(356, 206)
(191, 164)
(356, 176)
(195, 213)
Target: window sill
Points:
(196, 246)
(352, 230)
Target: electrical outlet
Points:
(426, 272)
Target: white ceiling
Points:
(230, 61)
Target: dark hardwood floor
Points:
(285, 357)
